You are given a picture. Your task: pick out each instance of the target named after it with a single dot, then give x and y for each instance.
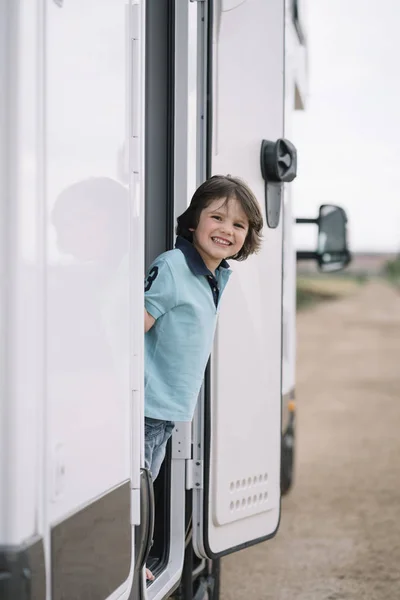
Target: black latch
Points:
(278, 165)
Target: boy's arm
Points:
(148, 321)
(159, 292)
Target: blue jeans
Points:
(156, 436)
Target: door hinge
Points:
(194, 474)
(197, 0)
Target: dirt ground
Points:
(340, 528)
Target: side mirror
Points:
(332, 251)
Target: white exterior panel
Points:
(22, 378)
(87, 222)
(295, 99)
(248, 105)
(72, 221)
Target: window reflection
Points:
(89, 296)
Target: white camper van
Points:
(112, 113)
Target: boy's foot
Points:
(149, 575)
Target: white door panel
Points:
(21, 329)
(227, 5)
(73, 279)
(88, 276)
(241, 497)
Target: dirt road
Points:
(340, 530)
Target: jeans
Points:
(156, 436)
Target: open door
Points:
(237, 428)
(94, 266)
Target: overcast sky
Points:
(348, 139)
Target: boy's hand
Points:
(148, 321)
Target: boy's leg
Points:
(149, 575)
(156, 438)
(153, 437)
(159, 449)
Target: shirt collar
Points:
(194, 260)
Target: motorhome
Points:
(112, 113)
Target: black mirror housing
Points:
(332, 251)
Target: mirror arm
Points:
(306, 255)
(303, 254)
(307, 221)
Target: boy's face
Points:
(221, 232)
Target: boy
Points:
(183, 289)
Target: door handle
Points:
(278, 161)
(144, 531)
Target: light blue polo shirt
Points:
(184, 298)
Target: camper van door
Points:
(237, 429)
(94, 294)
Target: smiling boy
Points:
(183, 290)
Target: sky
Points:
(348, 139)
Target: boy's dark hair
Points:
(224, 187)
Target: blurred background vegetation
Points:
(314, 287)
(392, 270)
